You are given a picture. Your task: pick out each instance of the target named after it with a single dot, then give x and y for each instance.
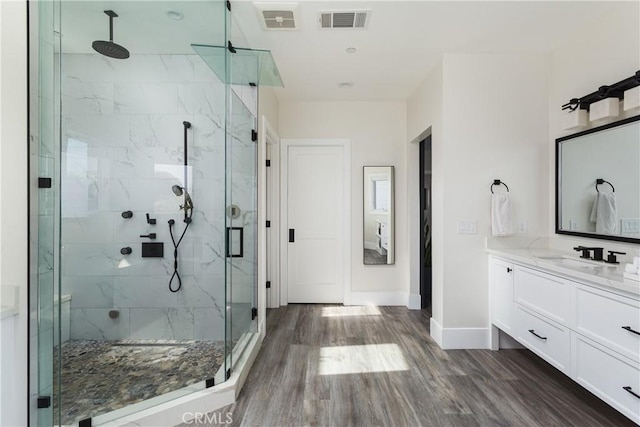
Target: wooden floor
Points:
(338, 366)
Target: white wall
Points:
(377, 131)
(268, 106)
(578, 67)
(488, 131)
(13, 190)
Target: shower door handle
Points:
(292, 235)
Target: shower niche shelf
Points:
(248, 67)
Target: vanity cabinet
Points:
(501, 273)
(588, 332)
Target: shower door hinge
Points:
(228, 375)
(268, 284)
(209, 382)
(229, 5)
(268, 163)
(268, 224)
(254, 135)
(85, 423)
(231, 48)
(44, 182)
(252, 84)
(254, 313)
(44, 402)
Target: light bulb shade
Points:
(604, 109)
(574, 119)
(632, 99)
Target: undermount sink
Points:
(572, 262)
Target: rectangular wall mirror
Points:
(378, 210)
(598, 182)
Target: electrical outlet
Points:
(467, 226)
(522, 227)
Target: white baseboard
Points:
(377, 298)
(436, 331)
(459, 338)
(415, 302)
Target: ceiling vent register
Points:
(279, 19)
(355, 19)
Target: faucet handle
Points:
(611, 258)
(586, 252)
(597, 254)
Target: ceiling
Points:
(402, 42)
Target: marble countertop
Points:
(8, 301)
(553, 260)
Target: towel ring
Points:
(602, 181)
(498, 182)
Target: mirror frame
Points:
(392, 207)
(558, 197)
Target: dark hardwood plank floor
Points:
(323, 365)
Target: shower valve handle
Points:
(151, 236)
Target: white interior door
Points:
(315, 222)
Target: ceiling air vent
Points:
(278, 19)
(352, 19)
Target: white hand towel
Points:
(605, 213)
(501, 224)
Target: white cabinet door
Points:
(606, 374)
(502, 295)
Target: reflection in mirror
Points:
(378, 209)
(598, 182)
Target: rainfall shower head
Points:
(109, 48)
(177, 190)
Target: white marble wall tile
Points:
(95, 324)
(157, 130)
(138, 266)
(47, 129)
(203, 291)
(208, 133)
(161, 323)
(148, 162)
(91, 260)
(97, 131)
(45, 243)
(144, 292)
(89, 291)
(94, 228)
(90, 68)
(208, 324)
(201, 98)
(202, 72)
(161, 68)
(145, 98)
(87, 98)
(145, 195)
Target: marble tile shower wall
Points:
(122, 149)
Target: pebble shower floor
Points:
(102, 376)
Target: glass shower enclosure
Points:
(143, 141)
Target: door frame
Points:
(345, 144)
(269, 210)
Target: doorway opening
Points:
(426, 224)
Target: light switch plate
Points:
(467, 226)
(630, 225)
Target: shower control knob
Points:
(127, 214)
(126, 251)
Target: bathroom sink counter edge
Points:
(608, 276)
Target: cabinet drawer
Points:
(547, 339)
(543, 293)
(606, 375)
(603, 317)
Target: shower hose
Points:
(175, 274)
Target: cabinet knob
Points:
(509, 270)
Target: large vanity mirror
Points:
(598, 182)
(379, 229)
